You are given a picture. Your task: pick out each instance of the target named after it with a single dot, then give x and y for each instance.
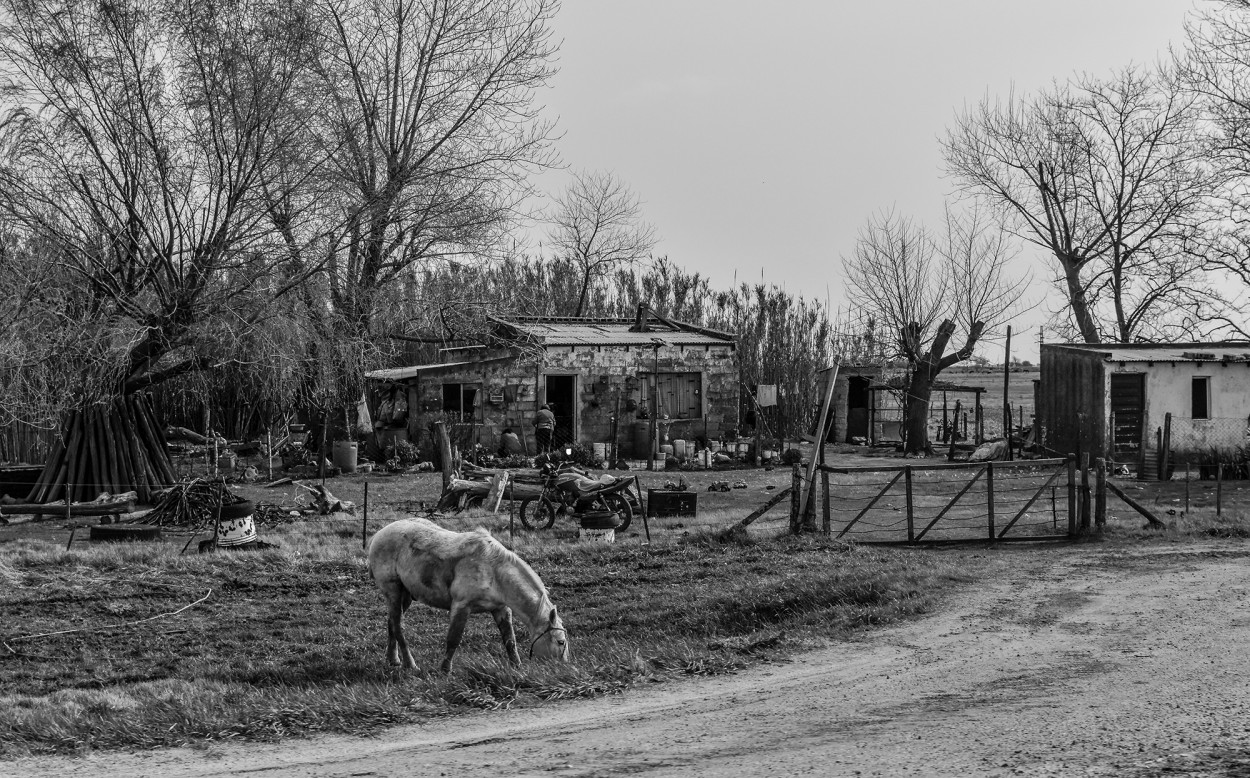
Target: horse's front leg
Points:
(459, 618)
(503, 620)
(397, 651)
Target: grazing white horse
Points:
(461, 572)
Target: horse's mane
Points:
(495, 552)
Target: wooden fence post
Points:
(1187, 487)
(444, 452)
(1071, 494)
(364, 522)
(950, 454)
(911, 515)
(1165, 471)
(1085, 492)
(796, 491)
(989, 496)
(1219, 489)
(826, 520)
(1100, 493)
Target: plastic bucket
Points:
(597, 535)
(680, 449)
(344, 455)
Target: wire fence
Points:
(947, 420)
(1207, 441)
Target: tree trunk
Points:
(916, 410)
(1076, 297)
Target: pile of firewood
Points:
(191, 504)
(110, 447)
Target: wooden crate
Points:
(662, 502)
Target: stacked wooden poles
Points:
(114, 447)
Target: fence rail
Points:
(995, 501)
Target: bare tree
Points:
(1110, 177)
(429, 133)
(1216, 66)
(598, 225)
(922, 289)
(134, 137)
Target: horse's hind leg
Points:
(503, 620)
(459, 617)
(397, 601)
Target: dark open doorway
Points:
(561, 394)
(1128, 411)
(857, 403)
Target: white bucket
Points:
(236, 532)
(742, 448)
(666, 449)
(597, 535)
(679, 449)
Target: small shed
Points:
(1111, 400)
(596, 374)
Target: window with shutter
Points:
(680, 394)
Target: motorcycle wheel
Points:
(621, 507)
(538, 513)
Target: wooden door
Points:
(1128, 415)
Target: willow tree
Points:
(923, 289)
(136, 136)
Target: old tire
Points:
(237, 510)
(598, 519)
(538, 513)
(623, 510)
(125, 533)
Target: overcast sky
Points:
(761, 135)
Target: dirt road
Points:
(1074, 660)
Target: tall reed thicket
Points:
(783, 338)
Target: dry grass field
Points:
(141, 645)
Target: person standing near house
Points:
(544, 428)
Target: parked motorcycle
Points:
(568, 489)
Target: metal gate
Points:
(997, 501)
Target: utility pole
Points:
(655, 402)
(1007, 394)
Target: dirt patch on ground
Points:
(1100, 660)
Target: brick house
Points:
(596, 375)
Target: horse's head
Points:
(553, 641)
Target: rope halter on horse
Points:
(544, 632)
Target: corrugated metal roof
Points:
(1174, 352)
(400, 373)
(611, 332)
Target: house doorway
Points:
(1128, 406)
(561, 395)
(857, 400)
